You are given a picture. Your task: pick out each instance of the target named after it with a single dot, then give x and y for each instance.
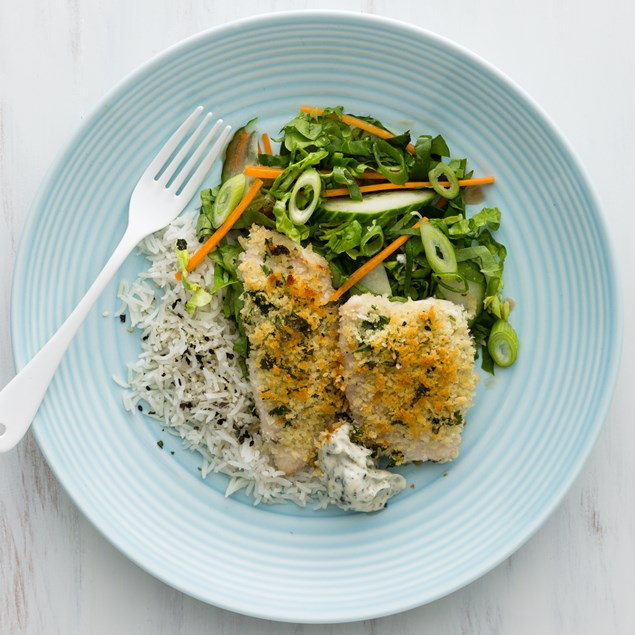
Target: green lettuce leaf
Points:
(200, 297)
(285, 225)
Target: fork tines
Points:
(182, 161)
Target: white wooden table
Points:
(577, 59)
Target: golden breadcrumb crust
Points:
(409, 375)
(295, 362)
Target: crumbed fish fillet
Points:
(295, 364)
(409, 375)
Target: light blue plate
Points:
(531, 429)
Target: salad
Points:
(387, 211)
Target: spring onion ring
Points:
(446, 191)
(438, 249)
(228, 198)
(502, 343)
(300, 213)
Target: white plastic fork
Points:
(163, 191)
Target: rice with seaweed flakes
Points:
(188, 376)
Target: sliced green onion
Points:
(230, 194)
(394, 169)
(443, 170)
(502, 343)
(302, 202)
(372, 240)
(452, 282)
(439, 251)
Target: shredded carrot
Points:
(410, 185)
(220, 233)
(266, 144)
(370, 264)
(266, 172)
(262, 172)
(358, 123)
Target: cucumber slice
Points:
(471, 299)
(374, 206)
(228, 198)
(241, 150)
(375, 281)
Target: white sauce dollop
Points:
(353, 483)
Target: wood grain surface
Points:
(577, 574)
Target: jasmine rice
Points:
(188, 377)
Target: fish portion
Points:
(295, 363)
(409, 375)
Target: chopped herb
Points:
(395, 459)
(298, 323)
(276, 250)
(279, 410)
(375, 325)
(260, 300)
(421, 391)
(267, 363)
(438, 422)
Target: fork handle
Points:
(20, 399)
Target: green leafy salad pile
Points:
(451, 254)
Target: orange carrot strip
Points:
(262, 172)
(220, 233)
(370, 264)
(358, 123)
(266, 144)
(410, 185)
(266, 172)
